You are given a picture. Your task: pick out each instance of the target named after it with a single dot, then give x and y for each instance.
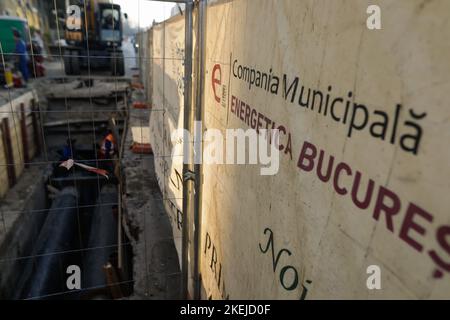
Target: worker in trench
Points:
(67, 152)
(107, 150)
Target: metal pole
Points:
(187, 161)
(119, 226)
(198, 168)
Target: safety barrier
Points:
(363, 177)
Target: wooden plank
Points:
(112, 281)
(16, 144)
(23, 129)
(31, 145)
(36, 127)
(3, 168)
(8, 152)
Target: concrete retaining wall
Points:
(23, 214)
(14, 123)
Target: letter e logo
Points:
(374, 280)
(216, 80)
(374, 20)
(74, 280)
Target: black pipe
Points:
(45, 273)
(102, 243)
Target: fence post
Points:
(198, 168)
(187, 126)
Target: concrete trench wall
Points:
(24, 212)
(15, 137)
(376, 124)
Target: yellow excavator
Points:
(93, 33)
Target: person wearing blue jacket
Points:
(22, 55)
(69, 151)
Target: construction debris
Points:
(141, 105)
(142, 148)
(70, 163)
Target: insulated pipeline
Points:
(45, 274)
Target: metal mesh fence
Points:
(78, 186)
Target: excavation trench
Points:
(80, 232)
(67, 233)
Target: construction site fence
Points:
(363, 179)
